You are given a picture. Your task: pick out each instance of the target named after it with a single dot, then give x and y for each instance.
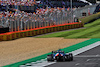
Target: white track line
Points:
(81, 50)
(76, 52)
(88, 56)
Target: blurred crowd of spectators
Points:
(12, 5)
(42, 13)
(24, 2)
(61, 3)
(39, 11)
(52, 16)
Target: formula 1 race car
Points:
(60, 56)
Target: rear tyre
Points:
(71, 56)
(67, 58)
(64, 59)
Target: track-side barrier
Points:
(38, 31)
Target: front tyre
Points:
(50, 58)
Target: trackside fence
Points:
(37, 31)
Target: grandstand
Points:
(61, 3)
(92, 1)
(31, 7)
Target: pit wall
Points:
(38, 31)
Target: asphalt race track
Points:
(90, 58)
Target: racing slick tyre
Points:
(50, 58)
(64, 59)
(67, 57)
(71, 56)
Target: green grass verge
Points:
(84, 33)
(96, 22)
(60, 34)
(95, 35)
(91, 31)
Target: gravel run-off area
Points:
(29, 47)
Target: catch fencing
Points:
(23, 21)
(28, 21)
